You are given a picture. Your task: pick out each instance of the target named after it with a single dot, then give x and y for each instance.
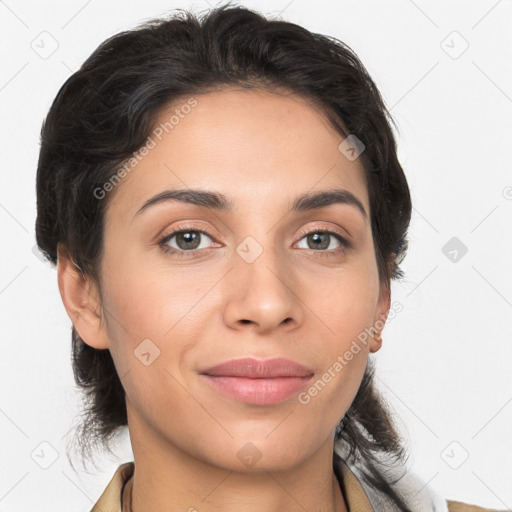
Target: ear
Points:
(381, 313)
(81, 299)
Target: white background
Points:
(445, 365)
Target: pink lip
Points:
(259, 382)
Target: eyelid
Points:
(344, 241)
(183, 228)
(323, 229)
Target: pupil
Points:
(317, 237)
(188, 238)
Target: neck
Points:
(167, 478)
(335, 504)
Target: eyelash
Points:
(162, 242)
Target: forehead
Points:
(256, 147)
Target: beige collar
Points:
(110, 500)
(355, 496)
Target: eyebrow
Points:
(219, 202)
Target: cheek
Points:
(154, 320)
(344, 305)
(345, 302)
(147, 342)
(148, 300)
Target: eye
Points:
(321, 241)
(187, 241)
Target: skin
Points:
(261, 150)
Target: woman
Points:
(225, 206)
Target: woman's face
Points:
(252, 280)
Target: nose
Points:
(263, 295)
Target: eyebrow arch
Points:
(218, 201)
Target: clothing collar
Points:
(110, 500)
(416, 494)
(359, 495)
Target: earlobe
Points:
(382, 312)
(81, 301)
(376, 343)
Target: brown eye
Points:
(318, 240)
(324, 242)
(184, 241)
(188, 239)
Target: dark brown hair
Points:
(105, 112)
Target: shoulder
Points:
(110, 500)
(459, 506)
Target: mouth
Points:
(259, 391)
(258, 382)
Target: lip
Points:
(258, 382)
(255, 369)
